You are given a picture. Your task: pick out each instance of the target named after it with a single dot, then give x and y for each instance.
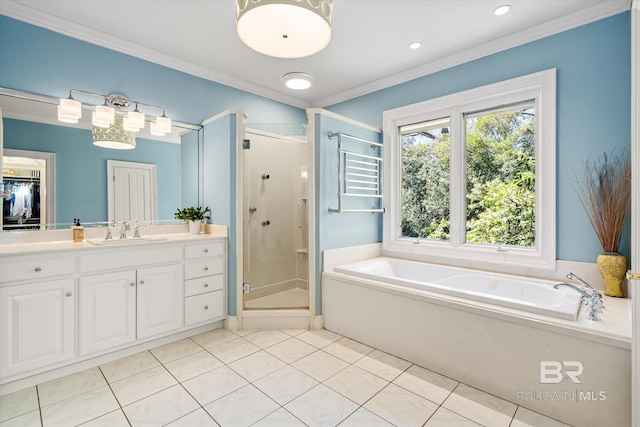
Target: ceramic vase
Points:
(195, 226)
(613, 268)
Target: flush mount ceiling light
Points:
(106, 115)
(415, 45)
(502, 10)
(284, 28)
(297, 80)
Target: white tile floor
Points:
(261, 378)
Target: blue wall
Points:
(593, 65)
(219, 187)
(36, 60)
(81, 168)
(345, 229)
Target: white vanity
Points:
(68, 306)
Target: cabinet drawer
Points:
(35, 267)
(202, 308)
(203, 284)
(201, 250)
(205, 267)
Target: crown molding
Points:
(59, 25)
(600, 10)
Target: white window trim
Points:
(539, 86)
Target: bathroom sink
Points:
(130, 240)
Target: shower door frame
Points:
(313, 321)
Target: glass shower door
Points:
(275, 222)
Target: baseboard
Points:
(318, 322)
(231, 323)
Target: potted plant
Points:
(195, 216)
(605, 193)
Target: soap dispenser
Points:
(78, 230)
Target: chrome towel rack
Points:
(359, 175)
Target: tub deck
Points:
(495, 348)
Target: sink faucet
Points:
(123, 231)
(590, 300)
(113, 224)
(136, 231)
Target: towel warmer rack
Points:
(359, 175)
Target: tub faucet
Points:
(591, 301)
(574, 287)
(586, 285)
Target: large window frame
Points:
(540, 87)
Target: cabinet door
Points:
(160, 300)
(37, 326)
(106, 311)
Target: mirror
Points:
(81, 180)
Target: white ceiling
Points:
(368, 51)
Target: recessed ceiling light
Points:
(415, 45)
(502, 10)
(297, 80)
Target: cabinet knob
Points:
(142, 282)
(206, 251)
(132, 284)
(68, 294)
(38, 269)
(206, 307)
(206, 269)
(206, 285)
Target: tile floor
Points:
(276, 378)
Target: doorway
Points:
(28, 190)
(275, 227)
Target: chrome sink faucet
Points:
(123, 231)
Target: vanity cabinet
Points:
(62, 308)
(37, 325)
(204, 283)
(106, 311)
(160, 292)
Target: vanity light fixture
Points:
(297, 80)
(284, 28)
(105, 115)
(502, 10)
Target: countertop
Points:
(45, 241)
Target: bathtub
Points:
(530, 295)
(489, 331)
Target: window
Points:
(471, 176)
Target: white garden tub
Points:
(534, 296)
(490, 331)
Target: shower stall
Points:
(275, 230)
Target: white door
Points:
(160, 301)
(36, 326)
(131, 190)
(106, 311)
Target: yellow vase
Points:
(613, 268)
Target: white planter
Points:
(195, 227)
